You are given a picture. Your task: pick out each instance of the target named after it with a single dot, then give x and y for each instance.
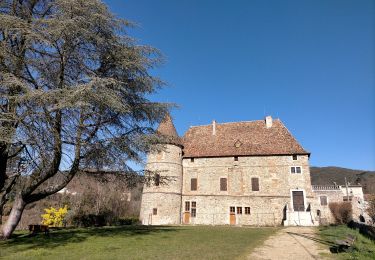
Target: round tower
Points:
(161, 198)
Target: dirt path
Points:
(291, 243)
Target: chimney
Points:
(213, 127)
(268, 121)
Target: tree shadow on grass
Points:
(62, 237)
(308, 236)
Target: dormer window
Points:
(295, 157)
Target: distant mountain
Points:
(331, 175)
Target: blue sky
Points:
(309, 63)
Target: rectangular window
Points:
(323, 201)
(223, 184)
(154, 211)
(157, 179)
(193, 209)
(193, 183)
(347, 198)
(193, 212)
(187, 205)
(239, 210)
(236, 158)
(295, 157)
(191, 159)
(295, 169)
(247, 210)
(232, 209)
(255, 184)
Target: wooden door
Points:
(298, 201)
(187, 218)
(232, 218)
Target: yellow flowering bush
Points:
(54, 217)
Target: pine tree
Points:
(74, 94)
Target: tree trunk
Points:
(14, 217)
(1, 215)
(3, 165)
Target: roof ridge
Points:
(234, 122)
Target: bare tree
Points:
(74, 94)
(371, 208)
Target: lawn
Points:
(364, 248)
(138, 242)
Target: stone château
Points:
(241, 173)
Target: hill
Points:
(331, 175)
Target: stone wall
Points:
(166, 197)
(358, 203)
(168, 208)
(325, 213)
(215, 210)
(267, 205)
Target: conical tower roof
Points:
(167, 129)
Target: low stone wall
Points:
(366, 230)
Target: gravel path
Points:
(291, 243)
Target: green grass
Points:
(364, 248)
(138, 242)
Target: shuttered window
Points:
(323, 200)
(255, 184)
(193, 183)
(223, 184)
(154, 211)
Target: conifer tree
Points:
(74, 94)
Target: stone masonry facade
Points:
(266, 204)
(222, 174)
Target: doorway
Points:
(232, 215)
(186, 217)
(298, 201)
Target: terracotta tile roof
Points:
(168, 131)
(240, 138)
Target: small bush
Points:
(341, 211)
(54, 217)
(92, 220)
(127, 221)
(89, 220)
